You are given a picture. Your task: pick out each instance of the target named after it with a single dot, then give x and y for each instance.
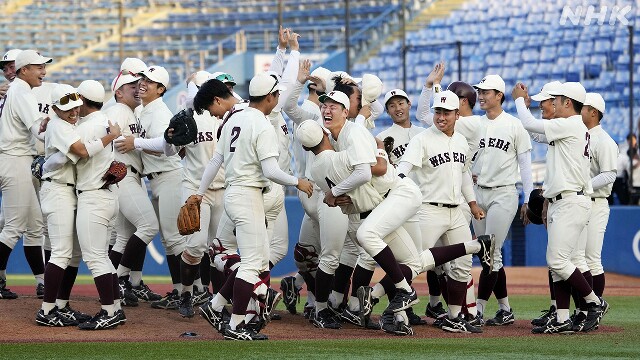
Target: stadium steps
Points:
(11, 6)
(140, 20)
(438, 9)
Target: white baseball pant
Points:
(59, 205)
(166, 199)
(595, 234)
(333, 233)
(211, 210)
(277, 224)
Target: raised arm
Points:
(291, 108)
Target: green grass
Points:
(619, 345)
(24, 279)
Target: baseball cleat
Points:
(186, 305)
(243, 334)
(325, 319)
(290, 293)
(594, 314)
(546, 317)
(366, 303)
(171, 301)
(554, 327)
(578, 320)
(435, 312)
(101, 321)
(214, 318)
(391, 325)
(352, 317)
(403, 300)
(74, 315)
(6, 293)
(201, 297)
(54, 319)
(126, 293)
(308, 311)
(122, 319)
(459, 325)
(476, 321)
(414, 319)
(40, 291)
(503, 317)
(270, 302)
(487, 249)
(604, 305)
(142, 292)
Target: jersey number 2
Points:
(235, 132)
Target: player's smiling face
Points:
(71, 116)
(128, 95)
(398, 108)
(488, 99)
(547, 109)
(334, 115)
(33, 74)
(9, 70)
(149, 90)
(355, 101)
(445, 120)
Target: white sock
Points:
(378, 291)
(39, 278)
(61, 304)
(472, 247)
(563, 315)
(320, 306)
(117, 303)
(471, 299)
(110, 309)
(454, 311)
(178, 287)
(47, 307)
(235, 320)
(135, 277)
(403, 285)
(218, 302)
(311, 299)
(336, 298)
(434, 300)
(592, 298)
(187, 288)
(197, 284)
(503, 304)
(123, 271)
(299, 281)
(3, 274)
(481, 304)
(354, 303)
(554, 304)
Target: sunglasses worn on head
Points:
(225, 78)
(69, 97)
(274, 85)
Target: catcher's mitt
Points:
(36, 167)
(189, 216)
(185, 130)
(116, 172)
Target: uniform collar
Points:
(153, 105)
(17, 82)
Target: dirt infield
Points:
(146, 324)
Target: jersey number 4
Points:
(235, 132)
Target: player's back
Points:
(91, 170)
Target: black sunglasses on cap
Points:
(67, 98)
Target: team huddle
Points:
(405, 200)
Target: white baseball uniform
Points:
(136, 214)
(164, 174)
(502, 141)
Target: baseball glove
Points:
(116, 172)
(388, 145)
(36, 167)
(189, 216)
(185, 129)
(534, 207)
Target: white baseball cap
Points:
(337, 96)
(65, 97)
(395, 92)
(157, 74)
(491, 82)
(322, 73)
(30, 57)
(544, 93)
(9, 56)
(121, 79)
(201, 77)
(91, 90)
(264, 84)
(446, 100)
(133, 66)
(572, 90)
(310, 133)
(595, 100)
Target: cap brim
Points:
(444, 107)
(541, 97)
(70, 105)
(555, 93)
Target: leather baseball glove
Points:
(36, 167)
(116, 172)
(185, 129)
(189, 216)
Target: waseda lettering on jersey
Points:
(443, 158)
(495, 143)
(204, 136)
(44, 108)
(399, 151)
(135, 128)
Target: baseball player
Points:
(566, 182)
(603, 154)
(439, 152)
(504, 148)
(164, 174)
(248, 148)
(129, 66)
(20, 125)
(97, 207)
(58, 201)
(136, 223)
